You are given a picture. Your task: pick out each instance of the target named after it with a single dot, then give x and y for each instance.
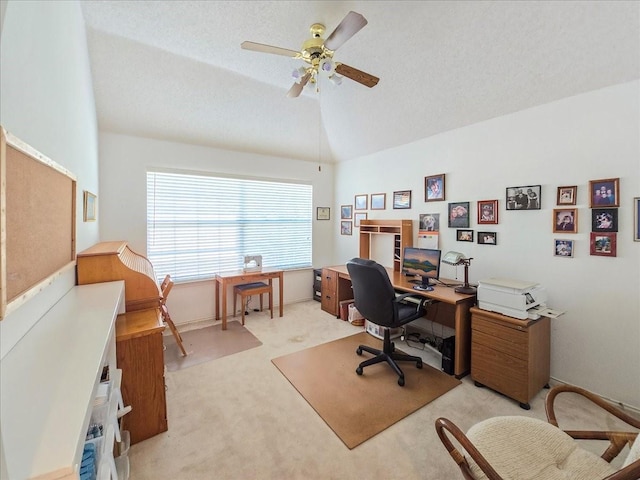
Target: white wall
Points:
(596, 343)
(124, 161)
(47, 101)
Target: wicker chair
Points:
(524, 448)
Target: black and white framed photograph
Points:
(562, 248)
(434, 188)
(487, 238)
(429, 223)
(402, 199)
(378, 201)
(361, 202)
(346, 212)
(459, 215)
(565, 220)
(464, 235)
(567, 195)
(604, 220)
(345, 227)
(527, 197)
(323, 213)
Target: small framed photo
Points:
(345, 227)
(429, 223)
(563, 248)
(346, 211)
(565, 220)
(604, 193)
(357, 217)
(604, 220)
(567, 195)
(487, 238)
(603, 244)
(434, 188)
(89, 211)
(402, 199)
(361, 202)
(636, 219)
(459, 215)
(524, 198)
(378, 201)
(323, 213)
(464, 235)
(487, 211)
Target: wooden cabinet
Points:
(329, 286)
(510, 355)
(402, 230)
(140, 355)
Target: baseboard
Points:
(617, 403)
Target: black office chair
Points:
(376, 300)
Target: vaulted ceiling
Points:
(174, 69)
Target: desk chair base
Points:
(387, 354)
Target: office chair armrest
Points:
(421, 302)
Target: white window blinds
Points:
(199, 225)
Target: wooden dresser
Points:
(139, 345)
(510, 355)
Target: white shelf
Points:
(48, 382)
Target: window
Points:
(198, 224)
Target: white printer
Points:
(513, 298)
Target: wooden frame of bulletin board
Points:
(37, 221)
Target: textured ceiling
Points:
(175, 69)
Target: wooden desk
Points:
(229, 279)
(140, 354)
(453, 310)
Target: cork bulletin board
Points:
(37, 221)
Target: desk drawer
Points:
(500, 371)
(499, 336)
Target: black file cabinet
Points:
(317, 284)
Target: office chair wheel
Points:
(359, 352)
(401, 381)
(359, 369)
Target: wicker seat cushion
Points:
(523, 448)
(634, 453)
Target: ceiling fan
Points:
(318, 54)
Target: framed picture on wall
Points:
(604, 220)
(487, 238)
(527, 197)
(604, 193)
(89, 207)
(459, 215)
(357, 217)
(603, 244)
(636, 219)
(345, 227)
(402, 199)
(378, 201)
(434, 188)
(563, 248)
(361, 202)
(346, 211)
(567, 195)
(323, 213)
(487, 211)
(464, 235)
(565, 220)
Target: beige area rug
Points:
(358, 407)
(206, 344)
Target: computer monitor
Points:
(424, 262)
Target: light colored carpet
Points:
(206, 344)
(357, 407)
(237, 417)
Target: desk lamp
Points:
(457, 258)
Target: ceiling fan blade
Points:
(359, 76)
(296, 88)
(349, 26)
(261, 47)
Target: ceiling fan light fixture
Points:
(298, 73)
(336, 79)
(327, 66)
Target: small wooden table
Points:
(227, 279)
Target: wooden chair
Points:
(165, 288)
(249, 289)
(524, 448)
